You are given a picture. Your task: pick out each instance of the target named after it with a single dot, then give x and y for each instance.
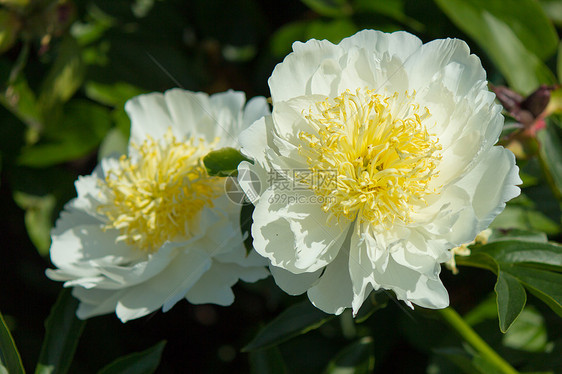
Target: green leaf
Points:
(459, 357)
(356, 358)
(20, 100)
(63, 330)
(329, 8)
(267, 361)
(145, 362)
(550, 153)
(393, 9)
(115, 94)
(535, 265)
(528, 333)
(79, 132)
(38, 218)
(296, 320)
(516, 34)
(333, 30)
(559, 61)
(377, 300)
(546, 285)
(65, 76)
(223, 162)
(511, 299)
(9, 355)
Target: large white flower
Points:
(149, 229)
(378, 158)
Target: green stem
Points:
(469, 335)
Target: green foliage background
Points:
(66, 70)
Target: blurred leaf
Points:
(517, 234)
(528, 332)
(9, 355)
(376, 301)
(356, 358)
(525, 218)
(296, 320)
(62, 332)
(114, 143)
(550, 151)
(9, 29)
(267, 361)
(115, 94)
(459, 357)
(553, 10)
(559, 60)
(511, 299)
(332, 30)
(223, 162)
(515, 33)
(393, 9)
(145, 362)
(65, 76)
(20, 100)
(38, 218)
(329, 8)
(80, 131)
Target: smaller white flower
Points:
(151, 228)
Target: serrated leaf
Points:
(511, 299)
(223, 162)
(516, 34)
(145, 362)
(62, 332)
(296, 320)
(9, 355)
(356, 358)
(267, 361)
(550, 151)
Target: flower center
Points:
(158, 195)
(371, 156)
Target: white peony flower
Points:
(152, 228)
(377, 159)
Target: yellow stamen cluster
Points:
(158, 195)
(379, 150)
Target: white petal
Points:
(333, 292)
(95, 302)
(165, 289)
(294, 284)
(292, 77)
(149, 116)
(400, 44)
(293, 232)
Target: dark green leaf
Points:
(20, 100)
(78, 133)
(65, 76)
(145, 362)
(459, 357)
(393, 9)
(546, 285)
(517, 234)
(223, 162)
(550, 151)
(9, 355)
(267, 361)
(508, 252)
(295, 320)
(63, 330)
(516, 34)
(511, 299)
(329, 8)
(356, 358)
(376, 301)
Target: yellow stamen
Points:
(158, 195)
(379, 150)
